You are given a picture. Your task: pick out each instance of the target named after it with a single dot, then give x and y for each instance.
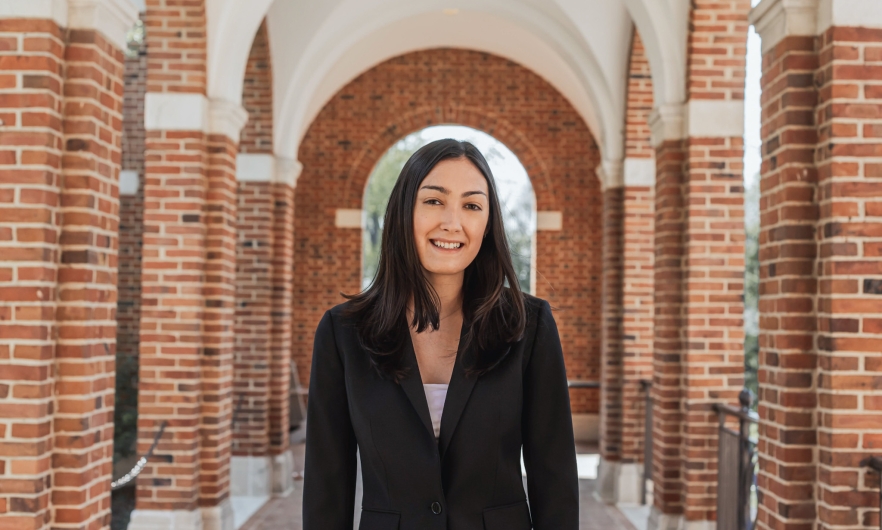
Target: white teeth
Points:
(446, 245)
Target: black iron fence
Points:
(646, 387)
(736, 471)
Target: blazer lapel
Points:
(413, 387)
(458, 393)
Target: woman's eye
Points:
(474, 207)
(432, 201)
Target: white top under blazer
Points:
(436, 394)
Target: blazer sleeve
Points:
(549, 446)
(330, 464)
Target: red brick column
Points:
(788, 286)
(87, 274)
(628, 293)
(849, 342)
(667, 381)
(287, 172)
(699, 357)
(819, 267)
(31, 69)
(611, 346)
(188, 279)
(61, 108)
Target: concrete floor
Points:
(286, 512)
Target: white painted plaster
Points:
(141, 5)
(714, 119)
(351, 44)
(283, 474)
(639, 171)
(549, 220)
(55, 10)
(349, 218)
(128, 182)
(663, 27)
(252, 167)
(610, 174)
(111, 18)
(175, 112)
(220, 517)
(607, 480)
(226, 118)
(666, 123)
(663, 521)
(166, 520)
(288, 171)
(776, 19)
(849, 13)
(251, 476)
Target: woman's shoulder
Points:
(533, 306)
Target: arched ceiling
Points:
(580, 47)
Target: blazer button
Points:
(436, 508)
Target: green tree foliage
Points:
(517, 209)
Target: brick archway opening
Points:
(488, 93)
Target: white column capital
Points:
(610, 174)
(639, 171)
(226, 118)
(714, 118)
(776, 19)
(165, 111)
(288, 171)
(111, 18)
(55, 10)
(666, 123)
(549, 220)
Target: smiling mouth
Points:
(446, 246)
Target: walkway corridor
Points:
(285, 513)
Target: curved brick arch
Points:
(496, 126)
(453, 86)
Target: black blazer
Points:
(471, 478)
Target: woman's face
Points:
(450, 216)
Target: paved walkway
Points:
(286, 513)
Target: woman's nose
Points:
(450, 220)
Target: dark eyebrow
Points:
(445, 191)
(442, 189)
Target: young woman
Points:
(440, 374)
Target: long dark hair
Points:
(495, 316)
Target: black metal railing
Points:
(646, 386)
(139, 465)
(583, 384)
(736, 471)
(875, 464)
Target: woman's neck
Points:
(449, 289)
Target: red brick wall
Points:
(639, 102)
(408, 93)
(257, 97)
(131, 207)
